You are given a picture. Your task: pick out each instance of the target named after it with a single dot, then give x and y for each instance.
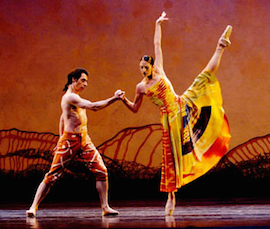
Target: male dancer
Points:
(74, 142)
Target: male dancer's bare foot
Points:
(170, 205)
(107, 211)
(224, 40)
(31, 212)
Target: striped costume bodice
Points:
(162, 94)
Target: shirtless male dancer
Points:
(74, 142)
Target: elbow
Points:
(95, 108)
(135, 110)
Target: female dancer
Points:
(195, 131)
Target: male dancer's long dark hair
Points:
(76, 74)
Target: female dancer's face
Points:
(145, 68)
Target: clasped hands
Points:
(119, 94)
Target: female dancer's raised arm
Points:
(149, 68)
(158, 65)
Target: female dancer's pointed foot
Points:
(224, 40)
(31, 213)
(169, 208)
(109, 212)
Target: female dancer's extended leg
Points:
(211, 67)
(223, 42)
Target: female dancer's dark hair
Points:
(148, 59)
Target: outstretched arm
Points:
(134, 106)
(157, 41)
(223, 42)
(95, 106)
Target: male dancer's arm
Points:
(61, 125)
(77, 101)
(61, 129)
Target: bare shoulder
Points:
(140, 88)
(70, 98)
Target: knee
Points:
(50, 179)
(101, 174)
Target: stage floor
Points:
(141, 214)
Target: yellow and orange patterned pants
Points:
(74, 146)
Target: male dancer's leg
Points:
(96, 165)
(42, 191)
(102, 188)
(67, 148)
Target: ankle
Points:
(105, 207)
(220, 47)
(33, 208)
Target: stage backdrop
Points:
(42, 41)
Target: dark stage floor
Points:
(142, 214)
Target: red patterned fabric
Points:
(73, 146)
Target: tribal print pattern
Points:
(70, 148)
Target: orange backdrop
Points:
(43, 40)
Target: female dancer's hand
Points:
(162, 18)
(119, 94)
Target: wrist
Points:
(124, 99)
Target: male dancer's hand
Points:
(119, 94)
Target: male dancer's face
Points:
(145, 68)
(81, 83)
